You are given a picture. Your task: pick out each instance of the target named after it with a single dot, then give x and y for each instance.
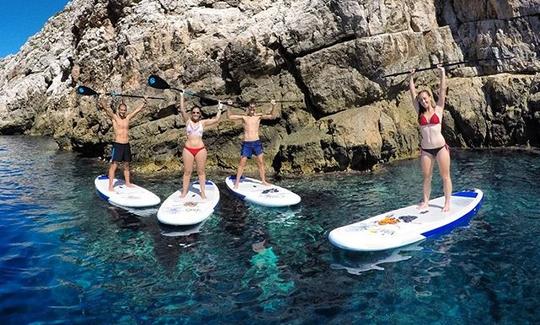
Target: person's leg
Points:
(426, 162)
(262, 172)
(240, 171)
(200, 159)
(127, 160)
(127, 174)
(112, 171)
(443, 160)
(188, 159)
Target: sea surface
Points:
(68, 257)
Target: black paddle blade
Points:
(85, 91)
(156, 82)
(205, 101)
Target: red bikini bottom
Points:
(194, 151)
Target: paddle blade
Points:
(204, 101)
(85, 91)
(156, 82)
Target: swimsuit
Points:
(121, 152)
(435, 151)
(434, 119)
(194, 151)
(195, 129)
(250, 148)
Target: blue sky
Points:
(20, 19)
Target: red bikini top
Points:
(434, 119)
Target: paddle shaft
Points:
(132, 96)
(194, 94)
(434, 66)
(279, 101)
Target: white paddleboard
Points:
(191, 209)
(181, 231)
(252, 190)
(407, 225)
(123, 196)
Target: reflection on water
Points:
(358, 262)
(82, 260)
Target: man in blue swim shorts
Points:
(252, 144)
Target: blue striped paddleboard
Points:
(123, 196)
(407, 225)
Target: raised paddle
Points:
(279, 101)
(157, 82)
(434, 66)
(87, 91)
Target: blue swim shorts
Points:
(250, 148)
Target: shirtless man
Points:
(121, 152)
(252, 144)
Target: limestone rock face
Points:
(326, 59)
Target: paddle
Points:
(434, 66)
(157, 82)
(87, 91)
(280, 101)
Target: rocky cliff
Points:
(331, 54)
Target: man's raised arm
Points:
(104, 105)
(273, 113)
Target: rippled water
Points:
(68, 257)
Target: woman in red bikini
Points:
(433, 146)
(194, 150)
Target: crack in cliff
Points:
(164, 7)
(293, 70)
(114, 13)
(524, 17)
(340, 40)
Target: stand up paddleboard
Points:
(123, 196)
(191, 209)
(407, 225)
(254, 191)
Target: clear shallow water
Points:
(68, 257)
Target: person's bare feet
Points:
(183, 195)
(422, 206)
(130, 185)
(111, 189)
(203, 196)
(446, 207)
(265, 183)
(235, 186)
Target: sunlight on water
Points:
(67, 256)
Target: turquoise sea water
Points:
(68, 257)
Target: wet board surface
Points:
(254, 191)
(191, 209)
(123, 196)
(407, 225)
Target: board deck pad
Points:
(253, 190)
(123, 196)
(191, 209)
(407, 225)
